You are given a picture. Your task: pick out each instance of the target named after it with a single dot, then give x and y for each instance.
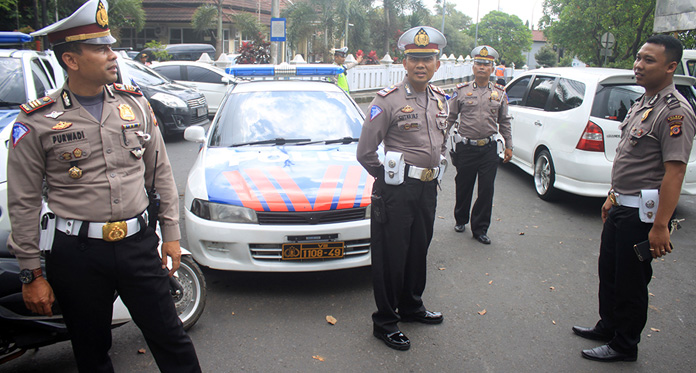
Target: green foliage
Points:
(577, 26)
(507, 34)
(158, 51)
(125, 14)
(457, 24)
(688, 38)
(566, 61)
(546, 56)
(204, 18)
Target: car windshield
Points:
(12, 92)
(144, 75)
(285, 117)
(613, 101)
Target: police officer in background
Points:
(340, 60)
(411, 119)
(96, 145)
(482, 109)
(656, 139)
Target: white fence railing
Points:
(371, 77)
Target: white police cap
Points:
(484, 54)
(343, 51)
(422, 41)
(89, 24)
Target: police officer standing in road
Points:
(97, 146)
(482, 109)
(411, 119)
(656, 139)
(340, 60)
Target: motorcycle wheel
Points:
(190, 304)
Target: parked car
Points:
(565, 126)
(210, 80)
(185, 52)
(688, 63)
(176, 106)
(276, 185)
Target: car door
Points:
(209, 83)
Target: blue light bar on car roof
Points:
(284, 70)
(14, 37)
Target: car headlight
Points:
(169, 100)
(223, 213)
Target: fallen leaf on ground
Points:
(655, 329)
(317, 357)
(554, 322)
(482, 312)
(490, 282)
(442, 268)
(651, 294)
(521, 233)
(552, 287)
(331, 320)
(141, 351)
(486, 274)
(440, 217)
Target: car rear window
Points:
(569, 94)
(264, 115)
(613, 101)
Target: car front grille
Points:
(314, 217)
(273, 252)
(196, 102)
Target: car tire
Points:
(544, 176)
(191, 303)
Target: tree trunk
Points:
(220, 38)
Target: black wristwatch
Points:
(26, 276)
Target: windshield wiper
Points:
(343, 140)
(276, 141)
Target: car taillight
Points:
(592, 138)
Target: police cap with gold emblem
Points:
(484, 54)
(89, 24)
(422, 41)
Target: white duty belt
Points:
(478, 142)
(624, 200)
(109, 231)
(422, 174)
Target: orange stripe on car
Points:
(269, 192)
(239, 185)
(350, 187)
(327, 188)
(297, 198)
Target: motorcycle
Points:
(22, 330)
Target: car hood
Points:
(178, 90)
(288, 178)
(7, 117)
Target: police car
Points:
(276, 185)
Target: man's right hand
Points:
(38, 296)
(605, 209)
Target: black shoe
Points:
(460, 228)
(592, 333)
(396, 340)
(607, 354)
(483, 239)
(425, 318)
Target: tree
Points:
(207, 18)
(546, 56)
(578, 25)
(507, 34)
(457, 25)
(125, 14)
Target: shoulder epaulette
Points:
(672, 101)
(35, 105)
(127, 88)
(384, 92)
(437, 89)
(462, 84)
(500, 86)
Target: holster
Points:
(47, 228)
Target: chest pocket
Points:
(74, 151)
(468, 104)
(130, 139)
(493, 107)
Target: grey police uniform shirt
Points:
(482, 111)
(116, 161)
(656, 130)
(397, 119)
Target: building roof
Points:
(538, 35)
(182, 10)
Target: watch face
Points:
(26, 276)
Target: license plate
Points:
(202, 111)
(313, 250)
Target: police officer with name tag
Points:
(656, 140)
(96, 145)
(482, 109)
(410, 118)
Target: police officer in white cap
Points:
(97, 145)
(340, 60)
(410, 118)
(481, 108)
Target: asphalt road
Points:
(508, 307)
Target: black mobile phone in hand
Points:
(642, 250)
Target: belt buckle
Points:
(427, 174)
(114, 231)
(481, 142)
(612, 199)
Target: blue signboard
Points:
(277, 29)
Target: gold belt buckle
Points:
(612, 199)
(481, 142)
(114, 231)
(427, 174)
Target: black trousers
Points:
(84, 274)
(475, 162)
(623, 279)
(399, 249)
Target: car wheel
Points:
(191, 301)
(544, 176)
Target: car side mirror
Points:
(226, 80)
(195, 134)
